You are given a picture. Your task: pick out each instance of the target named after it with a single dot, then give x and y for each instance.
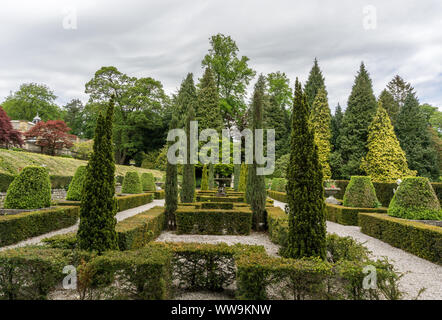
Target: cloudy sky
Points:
(165, 39)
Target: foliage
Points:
(132, 183)
(385, 160)
(208, 112)
(76, 186)
(133, 201)
(278, 184)
(148, 182)
(335, 126)
(415, 199)
(31, 189)
(347, 216)
(205, 179)
(360, 193)
(281, 166)
(306, 209)
(236, 176)
(83, 149)
(314, 82)
(188, 186)
(211, 177)
(8, 135)
(399, 89)
(171, 187)
(388, 102)
(74, 116)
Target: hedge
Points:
(346, 215)
(418, 238)
(21, 226)
(213, 221)
(76, 186)
(57, 182)
(360, 192)
(159, 194)
(277, 221)
(279, 196)
(133, 201)
(132, 183)
(216, 205)
(219, 199)
(278, 184)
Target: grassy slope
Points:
(12, 161)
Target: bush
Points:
(5, 181)
(76, 186)
(279, 196)
(278, 226)
(31, 189)
(420, 239)
(415, 199)
(346, 215)
(281, 166)
(132, 183)
(360, 193)
(60, 182)
(203, 198)
(148, 181)
(278, 184)
(21, 226)
(133, 201)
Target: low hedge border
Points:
(279, 196)
(346, 215)
(213, 221)
(159, 194)
(200, 198)
(18, 227)
(420, 239)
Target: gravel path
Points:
(120, 216)
(418, 273)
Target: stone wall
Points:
(56, 194)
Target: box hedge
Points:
(418, 238)
(76, 186)
(279, 196)
(133, 201)
(132, 183)
(201, 198)
(346, 215)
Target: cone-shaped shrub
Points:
(132, 183)
(415, 199)
(305, 195)
(236, 176)
(188, 187)
(148, 181)
(211, 176)
(76, 185)
(98, 207)
(243, 178)
(171, 187)
(360, 193)
(31, 189)
(205, 179)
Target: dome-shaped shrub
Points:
(31, 189)
(76, 185)
(148, 181)
(415, 199)
(360, 193)
(132, 183)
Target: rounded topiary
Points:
(132, 183)
(360, 193)
(76, 185)
(148, 181)
(415, 199)
(31, 189)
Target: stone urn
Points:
(159, 185)
(222, 186)
(330, 194)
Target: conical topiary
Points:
(415, 199)
(148, 181)
(360, 193)
(31, 189)
(204, 179)
(211, 176)
(76, 185)
(132, 183)
(171, 187)
(236, 176)
(243, 178)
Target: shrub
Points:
(148, 181)
(133, 201)
(279, 196)
(415, 199)
(420, 239)
(278, 225)
(31, 189)
(243, 178)
(281, 166)
(205, 179)
(278, 184)
(346, 215)
(132, 183)
(360, 193)
(60, 182)
(76, 186)
(203, 198)
(21, 226)
(5, 181)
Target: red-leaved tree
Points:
(8, 135)
(51, 135)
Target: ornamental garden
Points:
(223, 228)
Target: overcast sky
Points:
(165, 39)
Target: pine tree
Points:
(320, 118)
(385, 160)
(306, 208)
(336, 124)
(389, 104)
(399, 89)
(186, 97)
(412, 132)
(211, 176)
(188, 187)
(96, 231)
(171, 187)
(205, 179)
(314, 83)
(361, 108)
(276, 118)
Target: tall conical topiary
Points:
(171, 187)
(314, 82)
(188, 187)
(132, 183)
(76, 186)
(147, 181)
(205, 179)
(385, 160)
(211, 176)
(360, 193)
(236, 176)
(31, 189)
(306, 207)
(243, 178)
(96, 231)
(320, 121)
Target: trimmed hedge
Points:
(346, 215)
(133, 201)
(217, 205)
(279, 196)
(213, 221)
(278, 225)
(132, 183)
(18, 227)
(418, 238)
(200, 198)
(76, 186)
(148, 181)
(278, 184)
(57, 182)
(360, 193)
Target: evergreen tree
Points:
(314, 82)
(276, 118)
(188, 187)
(171, 187)
(336, 124)
(412, 132)
(320, 118)
(96, 231)
(186, 97)
(205, 179)
(211, 176)
(361, 108)
(385, 160)
(243, 178)
(389, 104)
(236, 176)
(399, 89)
(306, 208)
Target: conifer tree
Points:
(336, 123)
(320, 118)
(186, 97)
(306, 208)
(399, 89)
(361, 108)
(171, 187)
(385, 160)
(243, 178)
(188, 187)
(205, 179)
(389, 104)
(96, 231)
(211, 176)
(314, 82)
(236, 176)
(276, 118)
(412, 132)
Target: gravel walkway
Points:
(418, 273)
(120, 216)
